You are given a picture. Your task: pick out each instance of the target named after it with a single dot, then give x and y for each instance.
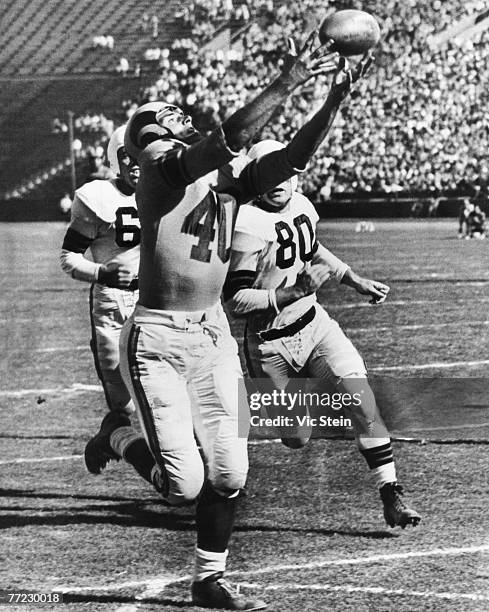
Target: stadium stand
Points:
(416, 126)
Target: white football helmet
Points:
(116, 142)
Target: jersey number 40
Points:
(201, 221)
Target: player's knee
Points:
(180, 489)
(227, 483)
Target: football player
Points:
(277, 264)
(177, 354)
(104, 222)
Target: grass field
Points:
(310, 534)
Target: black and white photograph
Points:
(245, 271)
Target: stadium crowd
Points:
(417, 123)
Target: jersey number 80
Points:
(287, 249)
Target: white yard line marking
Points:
(153, 583)
(71, 457)
(151, 591)
(373, 590)
(41, 459)
(387, 328)
(76, 388)
(60, 349)
(428, 366)
(348, 305)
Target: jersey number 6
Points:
(127, 234)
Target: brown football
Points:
(354, 32)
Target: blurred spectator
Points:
(104, 42)
(154, 26)
(77, 146)
(58, 126)
(144, 23)
(123, 66)
(65, 204)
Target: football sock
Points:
(214, 519)
(208, 562)
(137, 453)
(380, 460)
(121, 438)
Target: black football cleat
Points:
(216, 592)
(396, 511)
(98, 451)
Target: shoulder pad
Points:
(255, 221)
(98, 196)
(302, 204)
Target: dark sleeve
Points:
(259, 176)
(180, 165)
(75, 242)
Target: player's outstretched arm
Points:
(298, 68)
(376, 290)
(307, 140)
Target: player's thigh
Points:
(265, 360)
(160, 393)
(334, 356)
(221, 415)
(108, 313)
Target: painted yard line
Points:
(373, 590)
(70, 457)
(428, 366)
(59, 349)
(363, 330)
(444, 427)
(314, 565)
(41, 459)
(350, 330)
(347, 305)
(76, 388)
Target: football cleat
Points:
(396, 511)
(98, 451)
(216, 592)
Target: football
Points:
(354, 32)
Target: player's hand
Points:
(346, 76)
(311, 279)
(310, 61)
(115, 275)
(375, 289)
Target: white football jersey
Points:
(110, 218)
(276, 246)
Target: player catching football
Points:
(277, 265)
(104, 220)
(177, 354)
